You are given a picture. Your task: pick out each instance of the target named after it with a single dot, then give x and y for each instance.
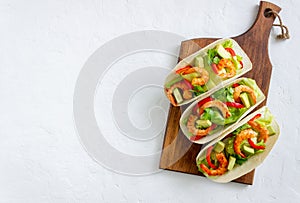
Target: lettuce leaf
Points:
(206, 114)
(239, 58)
(265, 119)
(211, 53)
(197, 90)
(236, 113)
(225, 94)
(227, 44)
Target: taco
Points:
(206, 119)
(201, 73)
(241, 149)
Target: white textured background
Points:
(43, 46)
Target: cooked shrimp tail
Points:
(243, 88)
(243, 135)
(222, 168)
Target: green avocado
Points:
(219, 146)
(203, 123)
(199, 61)
(245, 99)
(236, 62)
(222, 52)
(190, 76)
(177, 96)
(231, 163)
(248, 150)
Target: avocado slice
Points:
(222, 52)
(236, 63)
(271, 130)
(219, 146)
(203, 123)
(248, 150)
(172, 82)
(190, 76)
(231, 163)
(177, 96)
(199, 61)
(245, 99)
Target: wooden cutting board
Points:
(179, 154)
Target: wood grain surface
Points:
(178, 153)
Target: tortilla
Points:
(260, 98)
(253, 161)
(218, 82)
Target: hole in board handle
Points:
(268, 13)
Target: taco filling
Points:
(224, 107)
(237, 147)
(203, 73)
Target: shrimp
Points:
(262, 131)
(223, 163)
(202, 79)
(218, 104)
(225, 65)
(187, 94)
(192, 129)
(243, 88)
(243, 135)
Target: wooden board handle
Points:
(263, 23)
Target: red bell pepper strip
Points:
(234, 104)
(235, 85)
(200, 103)
(203, 101)
(214, 67)
(255, 117)
(232, 53)
(195, 137)
(190, 70)
(185, 81)
(208, 152)
(181, 70)
(253, 145)
(241, 64)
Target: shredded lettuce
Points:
(214, 116)
(227, 44)
(235, 114)
(211, 53)
(206, 114)
(197, 90)
(225, 94)
(239, 58)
